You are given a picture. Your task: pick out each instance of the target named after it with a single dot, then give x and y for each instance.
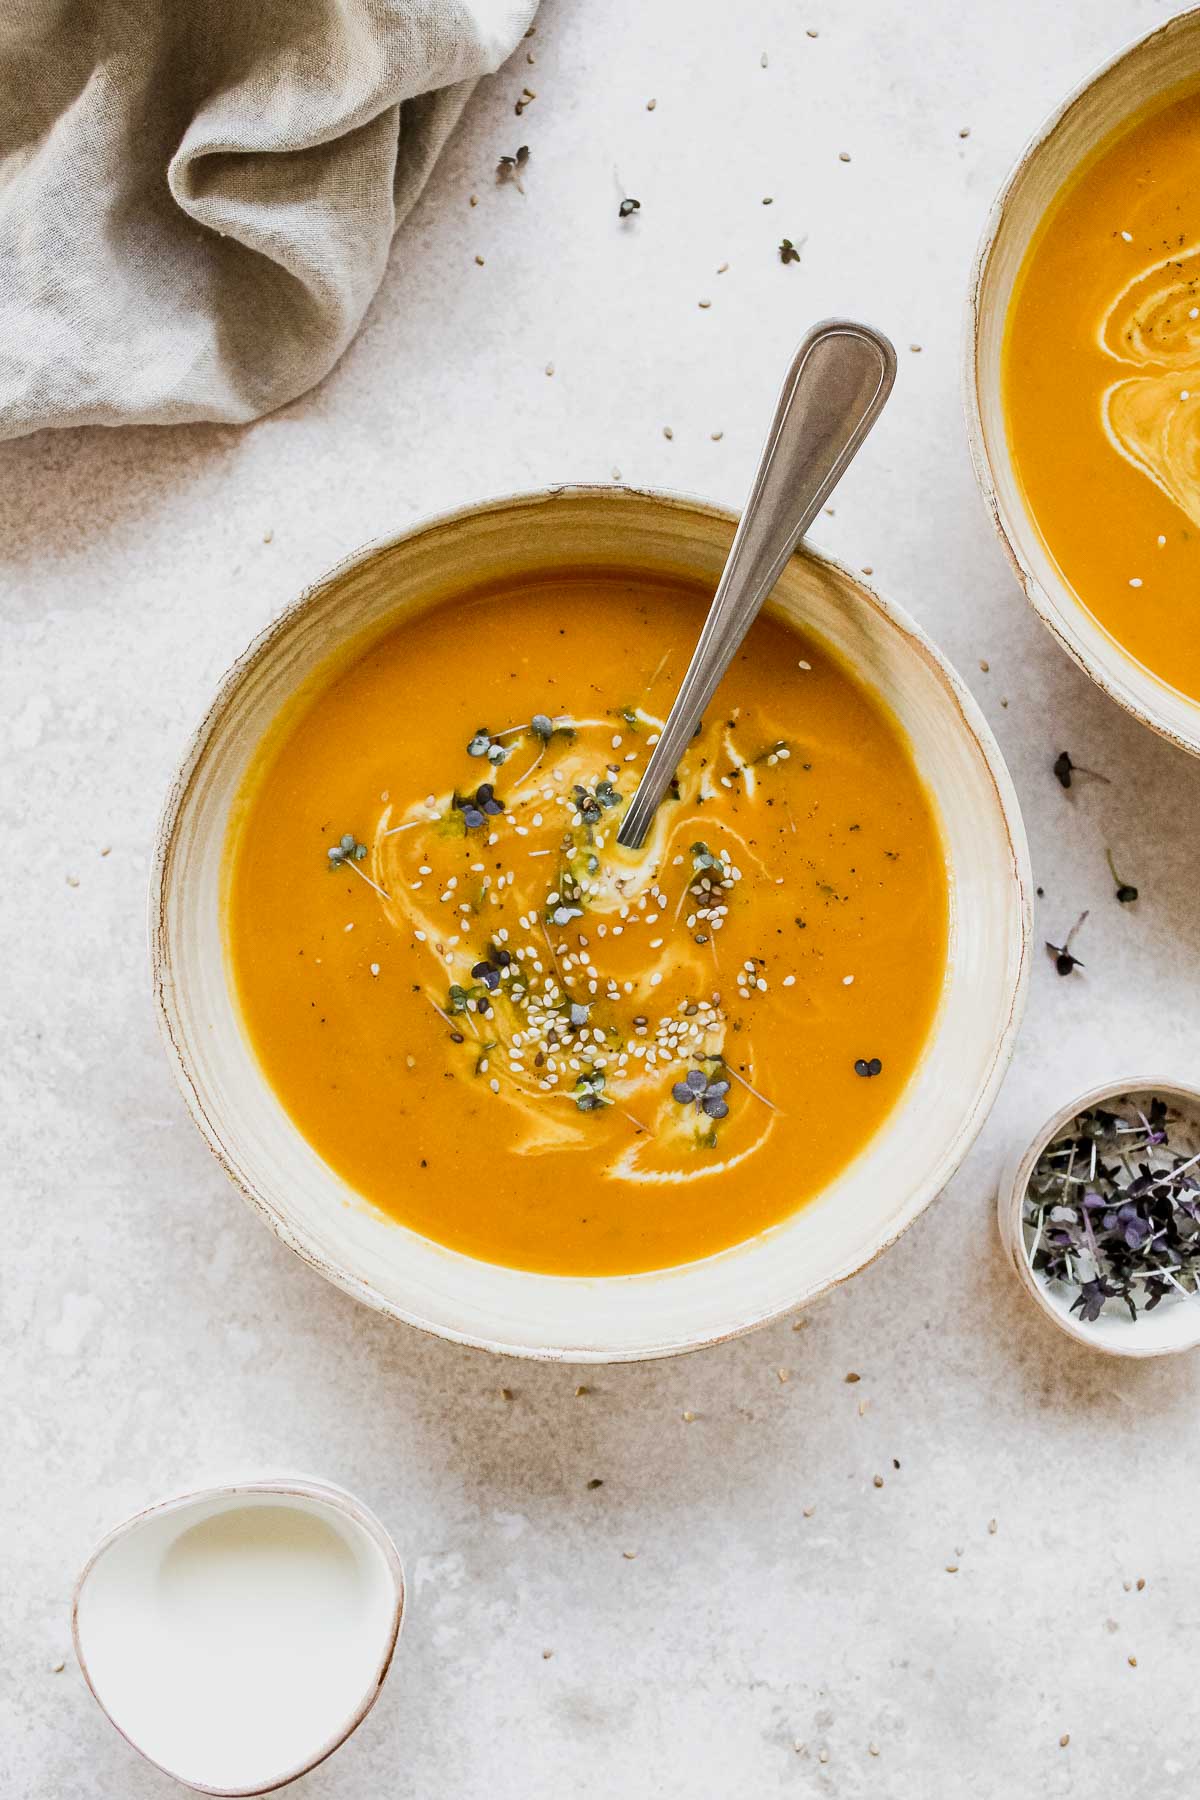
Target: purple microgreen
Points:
(703, 1092)
(868, 1066)
(1064, 961)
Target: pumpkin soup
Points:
(1102, 388)
(526, 1042)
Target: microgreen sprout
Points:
(484, 744)
(1125, 892)
(346, 849)
(788, 253)
(1064, 962)
(476, 808)
(628, 207)
(703, 1092)
(347, 853)
(868, 1066)
(589, 1091)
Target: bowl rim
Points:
(1129, 691)
(1010, 1196)
(295, 1487)
(921, 1196)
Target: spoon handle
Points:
(835, 389)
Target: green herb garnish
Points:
(1126, 892)
(589, 1091)
(346, 849)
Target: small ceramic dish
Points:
(1170, 1327)
(1156, 66)
(237, 1635)
(593, 1319)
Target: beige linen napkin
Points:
(197, 196)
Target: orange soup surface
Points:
(528, 1043)
(1102, 388)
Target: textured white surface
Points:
(156, 1334)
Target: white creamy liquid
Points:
(233, 1647)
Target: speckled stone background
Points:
(786, 1626)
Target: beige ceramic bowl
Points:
(594, 1319)
(1159, 1333)
(1151, 68)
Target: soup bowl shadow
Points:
(592, 1319)
(1154, 68)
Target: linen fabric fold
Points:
(197, 197)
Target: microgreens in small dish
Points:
(1111, 1212)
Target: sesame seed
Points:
(1135, 581)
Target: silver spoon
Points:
(834, 392)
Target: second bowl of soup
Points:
(1084, 377)
(507, 1080)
